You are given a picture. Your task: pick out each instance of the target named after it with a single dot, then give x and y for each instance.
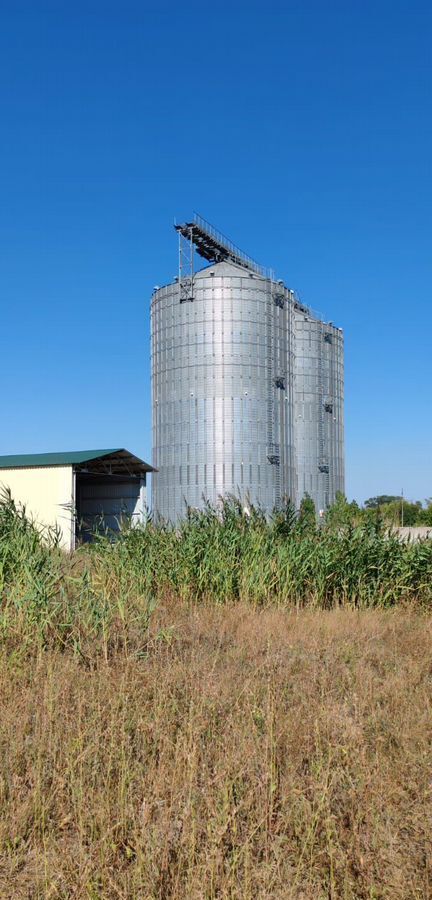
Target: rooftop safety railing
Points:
(228, 248)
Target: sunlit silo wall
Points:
(222, 383)
(318, 409)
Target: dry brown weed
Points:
(250, 754)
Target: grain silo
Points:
(223, 381)
(318, 408)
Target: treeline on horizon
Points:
(390, 509)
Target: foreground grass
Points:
(245, 753)
(235, 708)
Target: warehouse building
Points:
(247, 385)
(78, 492)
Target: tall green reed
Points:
(101, 599)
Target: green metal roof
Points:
(69, 458)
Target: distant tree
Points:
(307, 513)
(341, 512)
(397, 511)
(400, 510)
(284, 518)
(381, 500)
(425, 515)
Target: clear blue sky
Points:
(301, 129)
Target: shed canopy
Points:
(105, 462)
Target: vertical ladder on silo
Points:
(323, 461)
(273, 446)
(330, 405)
(186, 263)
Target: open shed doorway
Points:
(109, 490)
(103, 501)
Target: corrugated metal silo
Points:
(318, 409)
(222, 370)
(247, 386)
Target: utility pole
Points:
(402, 508)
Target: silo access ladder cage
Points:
(323, 464)
(273, 446)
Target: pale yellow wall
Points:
(43, 491)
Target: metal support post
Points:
(186, 264)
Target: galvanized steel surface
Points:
(226, 390)
(318, 410)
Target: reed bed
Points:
(104, 594)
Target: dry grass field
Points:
(241, 753)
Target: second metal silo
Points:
(318, 409)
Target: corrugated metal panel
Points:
(68, 458)
(103, 504)
(218, 415)
(116, 458)
(226, 410)
(318, 410)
